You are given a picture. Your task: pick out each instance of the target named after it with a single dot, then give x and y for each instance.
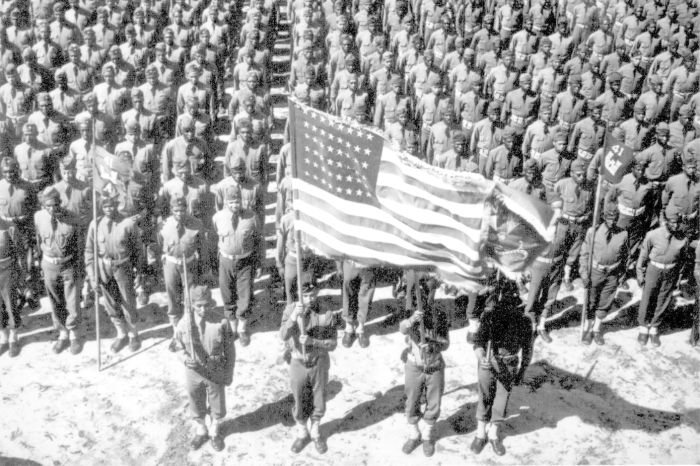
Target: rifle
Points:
(188, 304)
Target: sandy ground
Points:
(584, 405)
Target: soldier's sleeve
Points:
(585, 253)
(643, 258)
(288, 327)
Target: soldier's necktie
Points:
(109, 225)
(69, 190)
(185, 190)
(180, 230)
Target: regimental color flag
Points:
(617, 159)
(357, 198)
(109, 168)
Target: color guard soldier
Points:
(57, 237)
(310, 334)
(183, 243)
(119, 251)
(663, 254)
(503, 334)
(427, 336)
(238, 231)
(209, 369)
(18, 203)
(610, 250)
(11, 255)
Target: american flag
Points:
(358, 198)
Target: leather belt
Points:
(521, 55)
(680, 95)
(502, 180)
(517, 120)
(661, 266)
(572, 218)
(548, 260)
(629, 211)
(114, 262)
(467, 124)
(605, 267)
(57, 260)
(16, 218)
(234, 257)
(178, 261)
(584, 154)
(565, 125)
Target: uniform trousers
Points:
(199, 390)
(174, 277)
(308, 385)
(569, 237)
(544, 286)
(117, 286)
(358, 291)
(10, 316)
(657, 295)
(236, 282)
(419, 382)
(601, 293)
(62, 285)
(494, 386)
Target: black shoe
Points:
(478, 445)
(498, 447)
(198, 440)
(119, 344)
(321, 445)
(428, 447)
(544, 334)
(60, 345)
(217, 443)
(14, 349)
(134, 343)
(76, 346)
(598, 338)
(173, 346)
(410, 445)
(642, 338)
(348, 339)
(3, 348)
(654, 339)
(244, 338)
(299, 444)
(363, 340)
(587, 338)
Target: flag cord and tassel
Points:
(95, 252)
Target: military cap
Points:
(200, 296)
(685, 53)
(639, 106)
(641, 159)
(655, 79)
(125, 156)
(130, 29)
(68, 161)
(178, 202)
(233, 192)
(459, 137)
(531, 165)
(595, 104)
(488, 18)
(136, 92)
(508, 133)
(610, 210)
(434, 80)
(43, 98)
(237, 164)
(635, 53)
(395, 79)
(138, 11)
(10, 68)
(582, 47)
(59, 73)
(428, 52)
(468, 52)
(59, 6)
(8, 163)
(180, 162)
(85, 123)
(561, 135)
(50, 193)
(29, 128)
(615, 77)
(193, 68)
(186, 121)
(525, 78)
(546, 41)
(575, 79)
(160, 47)
(494, 106)
(662, 128)
(673, 212)
(685, 111)
(508, 53)
(578, 165)
(131, 126)
(477, 80)
(201, 49)
(89, 97)
(28, 53)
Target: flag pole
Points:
(596, 214)
(297, 233)
(96, 269)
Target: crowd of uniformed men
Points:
(520, 92)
